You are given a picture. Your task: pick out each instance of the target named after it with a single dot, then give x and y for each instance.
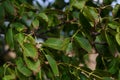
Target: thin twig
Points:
(101, 43)
(79, 68)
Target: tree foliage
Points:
(79, 40)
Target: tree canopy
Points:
(77, 40)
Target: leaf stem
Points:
(75, 33)
(78, 68)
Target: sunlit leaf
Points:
(30, 39)
(9, 77)
(57, 43)
(53, 65)
(65, 43)
(35, 24)
(114, 25)
(30, 51)
(69, 48)
(84, 43)
(19, 27)
(33, 65)
(9, 38)
(19, 75)
(39, 75)
(22, 68)
(91, 13)
(79, 3)
(43, 16)
(20, 38)
(69, 29)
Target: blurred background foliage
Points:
(59, 40)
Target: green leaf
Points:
(79, 4)
(76, 14)
(57, 43)
(9, 77)
(83, 77)
(111, 44)
(9, 38)
(19, 37)
(39, 76)
(65, 43)
(84, 43)
(115, 10)
(30, 39)
(53, 20)
(33, 65)
(114, 66)
(30, 14)
(35, 23)
(22, 68)
(53, 43)
(53, 65)
(86, 27)
(30, 51)
(18, 26)
(69, 48)
(118, 38)
(9, 7)
(91, 13)
(114, 25)
(118, 29)
(43, 16)
(8, 70)
(84, 22)
(19, 75)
